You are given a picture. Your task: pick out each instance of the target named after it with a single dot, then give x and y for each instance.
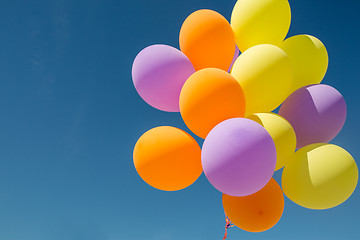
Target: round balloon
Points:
(281, 132)
(207, 39)
(238, 157)
(167, 158)
(257, 212)
(159, 72)
(309, 59)
(320, 176)
(260, 22)
(265, 74)
(209, 97)
(236, 55)
(316, 112)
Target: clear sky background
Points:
(70, 117)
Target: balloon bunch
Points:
(244, 141)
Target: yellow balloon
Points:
(281, 132)
(320, 176)
(265, 75)
(309, 59)
(260, 21)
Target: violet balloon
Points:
(236, 55)
(159, 72)
(316, 112)
(238, 157)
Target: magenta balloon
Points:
(238, 157)
(316, 112)
(159, 72)
(236, 55)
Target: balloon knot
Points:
(228, 224)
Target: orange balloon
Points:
(167, 158)
(207, 39)
(257, 212)
(208, 97)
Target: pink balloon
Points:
(316, 112)
(159, 72)
(238, 157)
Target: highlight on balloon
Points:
(225, 80)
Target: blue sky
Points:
(70, 117)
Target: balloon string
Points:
(228, 224)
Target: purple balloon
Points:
(238, 157)
(316, 112)
(159, 72)
(236, 55)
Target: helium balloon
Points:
(309, 59)
(281, 132)
(238, 157)
(167, 158)
(257, 212)
(159, 72)
(236, 55)
(209, 97)
(317, 113)
(257, 22)
(265, 74)
(320, 176)
(207, 39)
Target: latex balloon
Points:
(238, 157)
(281, 132)
(265, 74)
(209, 97)
(309, 59)
(317, 113)
(167, 158)
(320, 176)
(257, 212)
(260, 22)
(207, 39)
(236, 55)
(159, 72)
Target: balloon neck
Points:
(228, 224)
